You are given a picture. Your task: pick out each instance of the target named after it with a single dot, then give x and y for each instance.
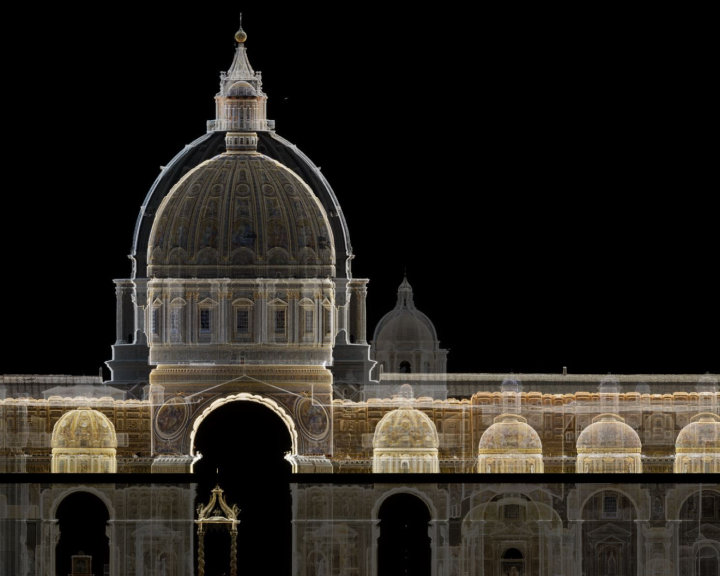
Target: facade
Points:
(481, 529)
(242, 290)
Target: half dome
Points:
(84, 428)
(510, 445)
(406, 428)
(697, 448)
(406, 440)
(84, 441)
(609, 433)
(609, 445)
(510, 433)
(701, 435)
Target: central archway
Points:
(404, 546)
(245, 397)
(243, 446)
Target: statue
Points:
(611, 563)
(160, 566)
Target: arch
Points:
(403, 536)
(512, 553)
(375, 514)
(82, 488)
(611, 489)
(245, 396)
(56, 538)
(544, 512)
(682, 502)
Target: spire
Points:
(241, 69)
(240, 35)
(240, 81)
(405, 294)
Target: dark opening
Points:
(404, 544)
(405, 367)
(243, 446)
(82, 519)
(512, 554)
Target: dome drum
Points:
(241, 321)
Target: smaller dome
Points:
(405, 428)
(608, 433)
(510, 433)
(84, 428)
(707, 384)
(510, 385)
(609, 384)
(241, 90)
(701, 435)
(406, 391)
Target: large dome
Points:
(84, 428)
(608, 433)
(241, 216)
(210, 145)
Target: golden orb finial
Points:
(240, 35)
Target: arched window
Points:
(405, 367)
(708, 561)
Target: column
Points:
(342, 299)
(140, 301)
(358, 316)
(119, 296)
(201, 551)
(233, 551)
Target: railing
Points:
(240, 125)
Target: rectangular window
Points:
(205, 322)
(155, 321)
(175, 320)
(708, 507)
(512, 511)
(279, 322)
(610, 507)
(327, 320)
(309, 321)
(242, 321)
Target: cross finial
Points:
(240, 35)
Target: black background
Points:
(546, 178)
